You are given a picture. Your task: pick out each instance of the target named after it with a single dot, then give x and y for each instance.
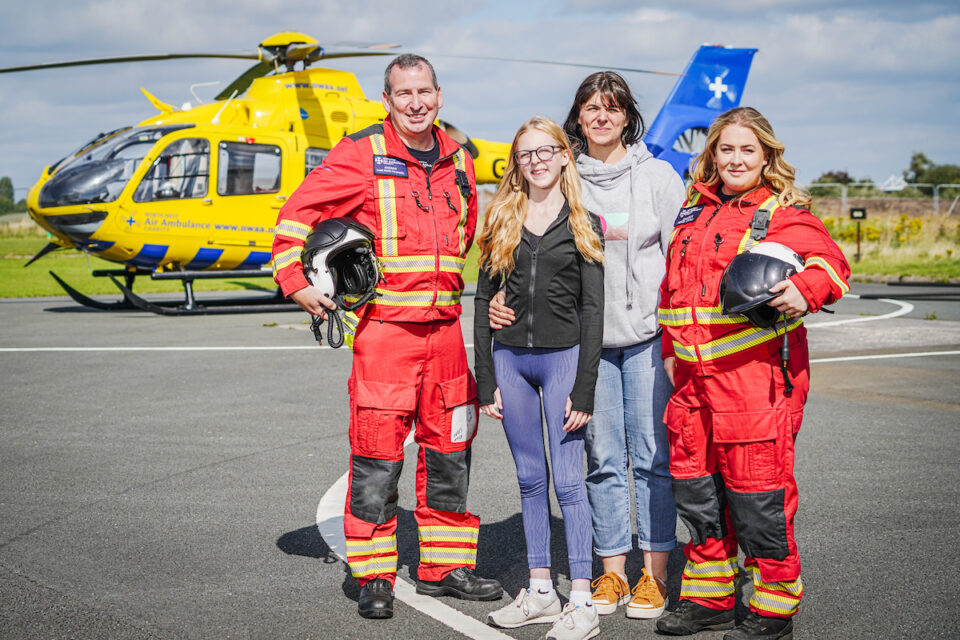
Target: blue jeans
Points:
(627, 430)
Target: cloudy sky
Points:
(847, 84)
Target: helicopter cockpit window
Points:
(314, 158)
(181, 171)
(100, 173)
(246, 169)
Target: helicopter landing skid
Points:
(192, 308)
(90, 302)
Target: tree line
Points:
(7, 202)
(921, 170)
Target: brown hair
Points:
(614, 91)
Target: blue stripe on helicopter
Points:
(150, 255)
(204, 258)
(255, 260)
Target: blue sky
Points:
(852, 85)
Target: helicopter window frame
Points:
(313, 157)
(248, 168)
(190, 179)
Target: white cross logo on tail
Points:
(718, 87)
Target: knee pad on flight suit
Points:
(760, 523)
(448, 478)
(373, 488)
(700, 504)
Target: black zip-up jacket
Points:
(557, 300)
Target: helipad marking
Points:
(330, 524)
(881, 356)
(905, 308)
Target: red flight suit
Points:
(731, 424)
(409, 360)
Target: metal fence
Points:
(845, 192)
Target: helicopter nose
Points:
(77, 226)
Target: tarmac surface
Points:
(160, 478)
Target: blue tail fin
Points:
(711, 84)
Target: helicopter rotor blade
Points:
(119, 59)
(558, 64)
(240, 85)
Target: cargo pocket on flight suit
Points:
(749, 459)
(380, 424)
(382, 415)
(700, 499)
(448, 473)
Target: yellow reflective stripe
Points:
(452, 264)
(743, 340)
(379, 144)
(707, 588)
(379, 564)
(293, 229)
(747, 242)
(694, 200)
(817, 261)
(373, 545)
(777, 597)
(674, 317)
(448, 555)
(687, 354)
(387, 202)
(713, 569)
(715, 315)
(413, 264)
(449, 534)
(412, 298)
(407, 264)
(287, 257)
(459, 162)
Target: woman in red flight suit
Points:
(732, 419)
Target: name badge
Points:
(688, 214)
(385, 166)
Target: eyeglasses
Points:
(544, 153)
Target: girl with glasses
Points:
(638, 197)
(545, 250)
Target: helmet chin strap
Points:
(785, 356)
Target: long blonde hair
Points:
(504, 216)
(777, 174)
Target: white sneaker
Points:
(576, 623)
(528, 608)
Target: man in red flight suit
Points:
(414, 187)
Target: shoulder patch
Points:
(373, 129)
(387, 166)
(688, 214)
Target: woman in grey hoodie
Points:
(638, 197)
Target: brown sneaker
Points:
(649, 598)
(610, 591)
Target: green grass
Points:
(76, 269)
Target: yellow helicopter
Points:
(194, 193)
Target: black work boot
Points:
(376, 599)
(757, 626)
(690, 617)
(461, 583)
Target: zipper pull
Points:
(718, 240)
(703, 291)
(683, 251)
(416, 198)
(450, 204)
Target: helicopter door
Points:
(249, 184)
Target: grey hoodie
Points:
(638, 199)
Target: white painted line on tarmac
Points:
(330, 524)
(882, 356)
(905, 308)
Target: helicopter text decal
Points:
(314, 85)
